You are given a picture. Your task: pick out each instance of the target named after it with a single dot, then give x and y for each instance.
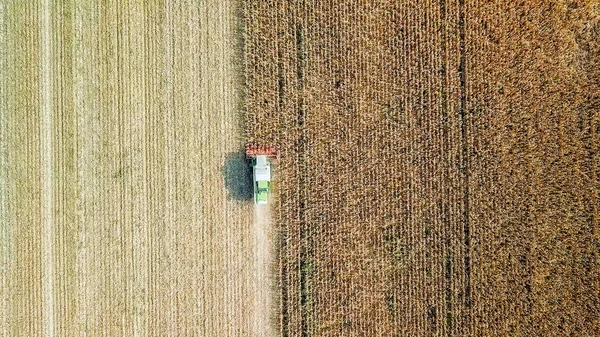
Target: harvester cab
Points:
(261, 170)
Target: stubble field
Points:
(439, 164)
(123, 211)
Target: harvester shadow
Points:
(237, 175)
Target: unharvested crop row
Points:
(436, 166)
(533, 95)
(358, 116)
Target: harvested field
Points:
(439, 170)
(124, 199)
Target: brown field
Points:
(123, 208)
(439, 171)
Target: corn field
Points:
(439, 164)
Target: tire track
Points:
(4, 229)
(47, 143)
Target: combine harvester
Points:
(261, 170)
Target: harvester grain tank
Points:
(261, 157)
